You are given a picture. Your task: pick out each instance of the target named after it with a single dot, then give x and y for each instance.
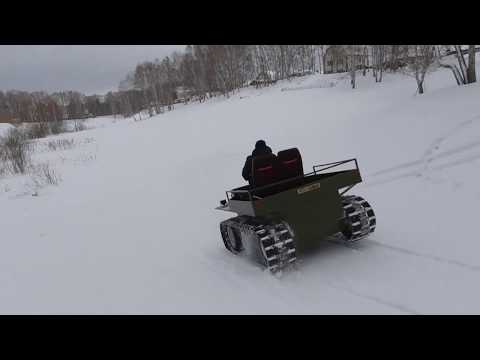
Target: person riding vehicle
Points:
(261, 149)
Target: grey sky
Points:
(85, 68)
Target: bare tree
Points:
(353, 56)
(365, 60)
(465, 72)
(378, 59)
(423, 58)
(461, 62)
(471, 74)
(322, 57)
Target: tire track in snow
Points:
(337, 285)
(375, 299)
(285, 300)
(436, 258)
(424, 163)
(436, 143)
(400, 250)
(442, 155)
(418, 173)
(410, 252)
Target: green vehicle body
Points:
(310, 204)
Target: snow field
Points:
(131, 227)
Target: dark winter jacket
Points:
(260, 149)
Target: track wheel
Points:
(277, 245)
(232, 238)
(360, 220)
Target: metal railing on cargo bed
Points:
(253, 194)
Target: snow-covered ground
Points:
(4, 128)
(131, 228)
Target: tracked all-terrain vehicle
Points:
(284, 212)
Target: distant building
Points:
(301, 73)
(337, 59)
(264, 78)
(7, 118)
(60, 99)
(101, 98)
(183, 94)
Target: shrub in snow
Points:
(60, 144)
(3, 166)
(45, 175)
(37, 130)
(79, 125)
(57, 127)
(15, 151)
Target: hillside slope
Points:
(131, 227)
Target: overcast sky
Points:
(85, 68)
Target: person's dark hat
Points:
(260, 144)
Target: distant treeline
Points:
(22, 106)
(204, 71)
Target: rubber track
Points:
(277, 245)
(360, 215)
(275, 240)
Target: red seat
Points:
(265, 170)
(291, 162)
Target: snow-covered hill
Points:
(131, 227)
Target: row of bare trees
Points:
(22, 106)
(423, 58)
(463, 71)
(204, 71)
(28, 107)
(414, 60)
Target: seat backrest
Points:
(291, 162)
(265, 170)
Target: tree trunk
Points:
(364, 60)
(420, 87)
(155, 94)
(353, 68)
(324, 61)
(471, 75)
(461, 63)
(394, 57)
